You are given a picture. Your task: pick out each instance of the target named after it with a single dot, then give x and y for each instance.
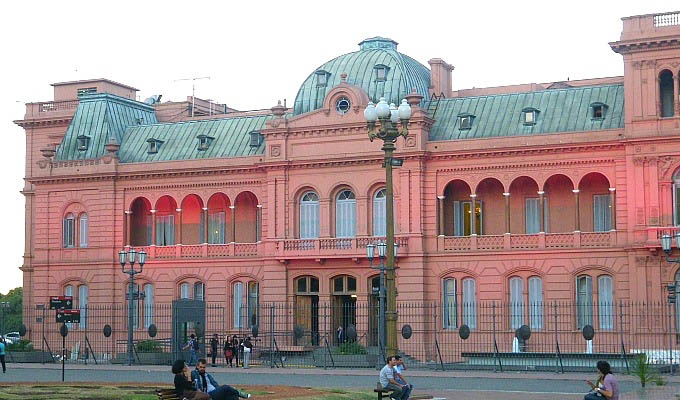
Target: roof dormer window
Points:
(154, 145)
(322, 78)
(204, 142)
(381, 71)
(255, 139)
(86, 91)
(83, 142)
(529, 116)
(598, 111)
(465, 121)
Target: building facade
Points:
(521, 194)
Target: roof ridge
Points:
(200, 120)
(530, 92)
(114, 97)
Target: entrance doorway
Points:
(374, 311)
(307, 310)
(343, 303)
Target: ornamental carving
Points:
(641, 261)
(649, 63)
(638, 161)
(637, 65)
(275, 150)
(411, 141)
(664, 164)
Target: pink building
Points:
(522, 194)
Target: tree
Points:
(11, 310)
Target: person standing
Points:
(192, 346)
(235, 345)
(2, 354)
(228, 352)
(387, 382)
(399, 377)
(213, 348)
(340, 335)
(606, 384)
(207, 384)
(247, 350)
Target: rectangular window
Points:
(69, 232)
(528, 117)
(535, 303)
(450, 319)
(345, 219)
(83, 231)
(533, 217)
(309, 220)
(165, 230)
(199, 291)
(86, 91)
(253, 303)
(217, 228)
(148, 305)
(82, 305)
(469, 303)
(516, 302)
(601, 213)
(238, 304)
(584, 301)
(184, 291)
(461, 218)
(605, 294)
(380, 74)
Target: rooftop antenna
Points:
(193, 90)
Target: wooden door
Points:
(303, 318)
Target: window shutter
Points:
(605, 300)
(64, 232)
(148, 305)
(536, 302)
(601, 214)
(532, 216)
(516, 303)
(238, 303)
(584, 299)
(160, 231)
(469, 303)
(450, 318)
(546, 215)
(83, 230)
(457, 219)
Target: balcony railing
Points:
(666, 19)
(189, 251)
(332, 246)
(571, 240)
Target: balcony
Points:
(203, 251)
(541, 241)
(331, 247)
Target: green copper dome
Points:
(377, 67)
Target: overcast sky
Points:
(256, 53)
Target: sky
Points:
(258, 52)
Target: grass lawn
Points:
(85, 391)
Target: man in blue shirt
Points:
(2, 354)
(207, 384)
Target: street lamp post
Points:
(130, 257)
(666, 243)
(381, 291)
(389, 131)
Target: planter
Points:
(29, 357)
(145, 358)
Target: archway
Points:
(246, 218)
(456, 206)
(140, 222)
(560, 208)
(524, 211)
(594, 203)
(192, 223)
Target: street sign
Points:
(67, 316)
(61, 302)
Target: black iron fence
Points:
(482, 335)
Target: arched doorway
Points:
(343, 303)
(307, 310)
(140, 221)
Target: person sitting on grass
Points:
(207, 384)
(387, 381)
(184, 385)
(606, 386)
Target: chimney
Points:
(440, 77)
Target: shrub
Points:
(149, 346)
(21, 345)
(350, 348)
(645, 372)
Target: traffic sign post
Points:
(65, 313)
(61, 302)
(68, 316)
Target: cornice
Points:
(336, 129)
(526, 151)
(244, 182)
(645, 44)
(537, 164)
(32, 123)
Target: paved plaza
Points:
(441, 384)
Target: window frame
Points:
(309, 229)
(81, 307)
(546, 215)
(598, 106)
(345, 225)
(526, 121)
(584, 311)
(83, 229)
(345, 279)
(68, 234)
(449, 303)
(605, 215)
(308, 285)
(148, 304)
(465, 121)
(459, 223)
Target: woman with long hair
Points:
(235, 345)
(606, 386)
(184, 385)
(229, 351)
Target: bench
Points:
(167, 394)
(382, 392)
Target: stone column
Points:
(153, 227)
(577, 212)
(441, 214)
(127, 230)
(676, 97)
(473, 215)
(258, 224)
(507, 211)
(541, 216)
(205, 225)
(179, 231)
(612, 207)
(233, 223)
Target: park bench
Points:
(382, 392)
(167, 394)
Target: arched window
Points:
(469, 303)
(379, 214)
(82, 305)
(605, 297)
(535, 302)
(69, 231)
(309, 216)
(199, 291)
(516, 302)
(307, 285)
(345, 214)
(666, 93)
(450, 319)
(184, 290)
(253, 303)
(584, 300)
(83, 230)
(238, 304)
(148, 305)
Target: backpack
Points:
(195, 344)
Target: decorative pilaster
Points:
(473, 215)
(205, 225)
(441, 214)
(577, 213)
(153, 227)
(179, 231)
(127, 229)
(233, 223)
(541, 215)
(507, 212)
(258, 224)
(612, 207)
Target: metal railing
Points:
(667, 19)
